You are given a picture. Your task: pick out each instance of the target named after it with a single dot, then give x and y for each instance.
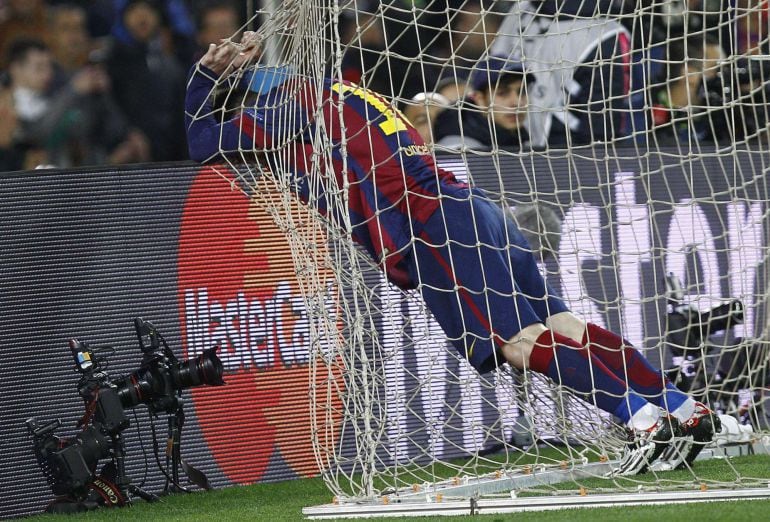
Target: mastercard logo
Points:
(238, 289)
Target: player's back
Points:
(382, 146)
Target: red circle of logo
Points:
(237, 288)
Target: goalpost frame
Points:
(466, 496)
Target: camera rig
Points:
(714, 372)
(689, 328)
(70, 465)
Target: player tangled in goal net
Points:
(431, 232)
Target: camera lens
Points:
(160, 379)
(135, 389)
(206, 368)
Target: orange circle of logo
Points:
(238, 289)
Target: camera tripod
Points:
(121, 479)
(174, 461)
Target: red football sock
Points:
(630, 365)
(570, 364)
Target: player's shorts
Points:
(479, 278)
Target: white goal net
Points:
(629, 142)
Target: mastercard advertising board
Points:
(238, 289)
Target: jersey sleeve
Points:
(208, 136)
(272, 121)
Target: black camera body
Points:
(687, 327)
(70, 464)
(727, 379)
(161, 377)
(733, 97)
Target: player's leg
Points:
(561, 348)
(553, 311)
(478, 308)
(626, 362)
(469, 261)
(567, 362)
(699, 423)
(474, 299)
(460, 259)
(465, 283)
(465, 278)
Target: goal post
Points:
(633, 155)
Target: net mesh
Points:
(633, 156)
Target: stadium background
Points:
(83, 252)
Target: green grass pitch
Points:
(283, 501)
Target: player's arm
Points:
(208, 134)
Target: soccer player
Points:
(428, 230)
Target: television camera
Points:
(70, 464)
(736, 99)
(719, 372)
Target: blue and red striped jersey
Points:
(372, 155)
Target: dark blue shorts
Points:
(479, 278)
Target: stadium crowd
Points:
(87, 82)
(100, 81)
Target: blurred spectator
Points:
(100, 14)
(103, 133)
(26, 19)
(422, 111)
(13, 155)
(586, 98)
(417, 47)
(494, 114)
(452, 88)
(177, 29)
(217, 20)
(690, 99)
(472, 29)
(363, 39)
(148, 83)
(36, 119)
(660, 21)
(78, 124)
(418, 42)
(68, 37)
(751, 21)
(746, 114)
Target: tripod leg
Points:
(144, 495)
(173, 450)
